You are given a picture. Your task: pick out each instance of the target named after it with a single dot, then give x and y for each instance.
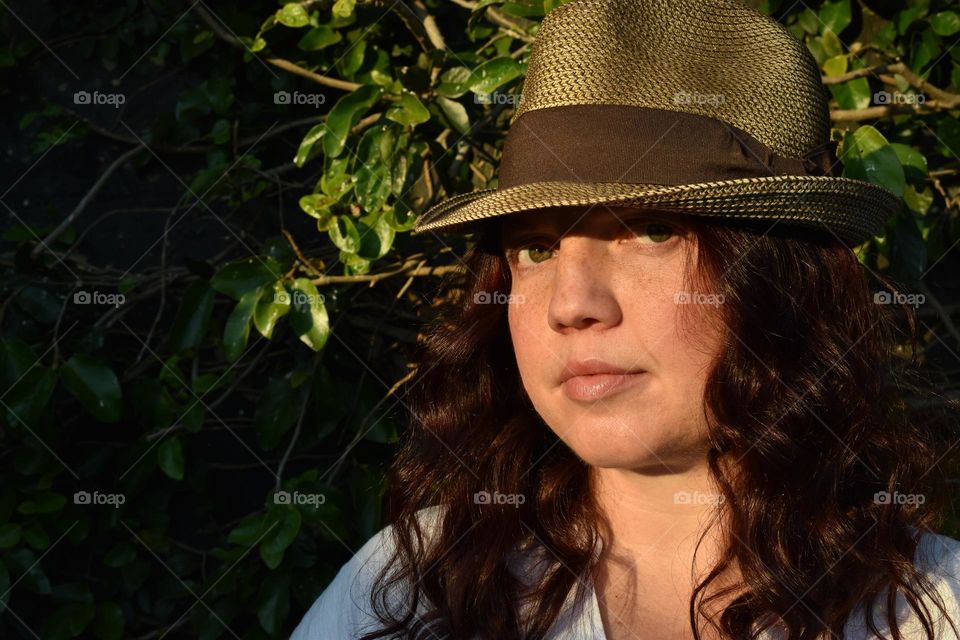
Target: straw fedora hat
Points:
(704, 107)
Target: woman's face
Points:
(602, 290)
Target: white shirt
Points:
(342, 611)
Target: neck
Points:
(658, 517)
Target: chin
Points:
(608, 444)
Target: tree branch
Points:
(286, 65)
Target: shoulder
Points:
(343, 610)
(938, 559)
(938, 556)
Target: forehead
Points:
(570, 218)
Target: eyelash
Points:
(513, 253)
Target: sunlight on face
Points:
(602, 293)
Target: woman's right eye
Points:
(533, 253)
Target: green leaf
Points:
(345, 113)
(271, 307)
(286, 525)
(373, 174)
(907, 17)
(9, 535)
(273, 602)
(69, 620)
(318, 206)
(343, 233)
(237, 278)
(319, 38)
(866, 139)
(354, 265)
(809, 22)
(945, 23)
(852, 94)
(455, 82)
(376, 239)
(170, 457)
(193, 316)
(908, 251)
(835, 16)
(236, 331)
(831, 44)
(882, 167)
(277, 410)
(108, 623)
(913, 162)
(868, 156)
(918, 201)
(409, 111)
(456, 114)
(494, 73)
(308, 315)
(95, 385)
(335, 181)
(121, 555)
(343, 8)
(27, 399)
(293, 15)
(46, 502)
(248, 530)
(308, 148)
(925, 52)
(352, 60)
(523, 9)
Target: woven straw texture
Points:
(716, 58)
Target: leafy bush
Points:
(210, 292)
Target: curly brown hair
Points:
(817, 412)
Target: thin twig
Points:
(408, 269)
(293, 440)
(84, 201)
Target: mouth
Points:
(600, 385)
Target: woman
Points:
(667, 404)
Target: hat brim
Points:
(853, 209)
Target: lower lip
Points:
(600, 385)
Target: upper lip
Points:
(592, 366)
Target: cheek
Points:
(521, 319)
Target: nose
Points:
(581, 293)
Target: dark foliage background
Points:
(210, 295)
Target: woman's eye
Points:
(658, 232)
(533, 253)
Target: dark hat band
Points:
(641, 145)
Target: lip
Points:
(593, 366)
(600, 385)
(594, 379)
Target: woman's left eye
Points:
(657, 232)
